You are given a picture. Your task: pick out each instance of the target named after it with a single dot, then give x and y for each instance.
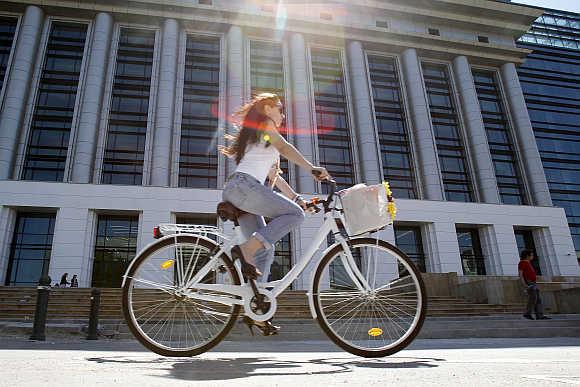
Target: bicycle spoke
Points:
(378, 319)
(164, 314)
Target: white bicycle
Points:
(182, 293)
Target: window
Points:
(482, 39)
(472, 259)
(30, 249)
(556, 29)
(500, 138)
(525, 240)
(392, 128)
(198, 158)
(433, 31)
(450, 147)
(267, 76)
(7, 30)
(48, 141)
(125, 147)
(332, 123)
(382, 24)
(325, 16)
(115, 247)
(408, 239)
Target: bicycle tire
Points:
(127, 289)
(331, 332)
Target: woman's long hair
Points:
(253, 121)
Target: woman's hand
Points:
(320, 173)
(304, 204)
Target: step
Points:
(512, 326)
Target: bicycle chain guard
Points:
(251, 308)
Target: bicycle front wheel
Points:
(375, 308)
(159, 308)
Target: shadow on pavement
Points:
(198, 369)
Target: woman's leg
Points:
(249, 195)
(263, 258)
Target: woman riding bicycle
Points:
(256, 149)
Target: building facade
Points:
(111, 114)
(550, 79)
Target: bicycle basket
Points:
(367, 208)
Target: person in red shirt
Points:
(528, 278)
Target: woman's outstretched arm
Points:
(293, 155)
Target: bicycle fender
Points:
(159, 241)
(311, 287)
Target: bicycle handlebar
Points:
(326, 203)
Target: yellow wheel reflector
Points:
(167, 264)
(375, 332)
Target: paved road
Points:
(461, 362)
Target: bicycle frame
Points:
(244, 291)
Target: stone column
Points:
(448, 259)
(235, 81)
(476, 135)
(428, 163)
(525, 134)
(70, 245)
(165, 112)
(363, 113)
(18, 83)
(303, 127)
(92, 100)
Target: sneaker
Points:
(543, 318)
(528, 316)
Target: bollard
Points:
(43, 292)
(94, 316)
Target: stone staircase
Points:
(447, 317)
(65, 303)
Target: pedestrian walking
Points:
(74, 282)
(527, 275)
(64, 280)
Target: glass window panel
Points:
(125, 149)
(408, 239)
(198, 159)
(333, 131)
(470, 251)
(7, 30)
(391, 126)
(456, 178)
(115, 247)
(30, 249)
(53, 112)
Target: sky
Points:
(565, 5)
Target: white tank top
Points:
(258, 160)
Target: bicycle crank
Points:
(261, 306)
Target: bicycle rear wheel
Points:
(378, 321)
(155, 303)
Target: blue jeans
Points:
(246, 193)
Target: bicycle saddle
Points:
(227, 211)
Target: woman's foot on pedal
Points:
(266, 327)
(249, 271)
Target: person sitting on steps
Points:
(256, 149)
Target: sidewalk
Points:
(460, 362)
